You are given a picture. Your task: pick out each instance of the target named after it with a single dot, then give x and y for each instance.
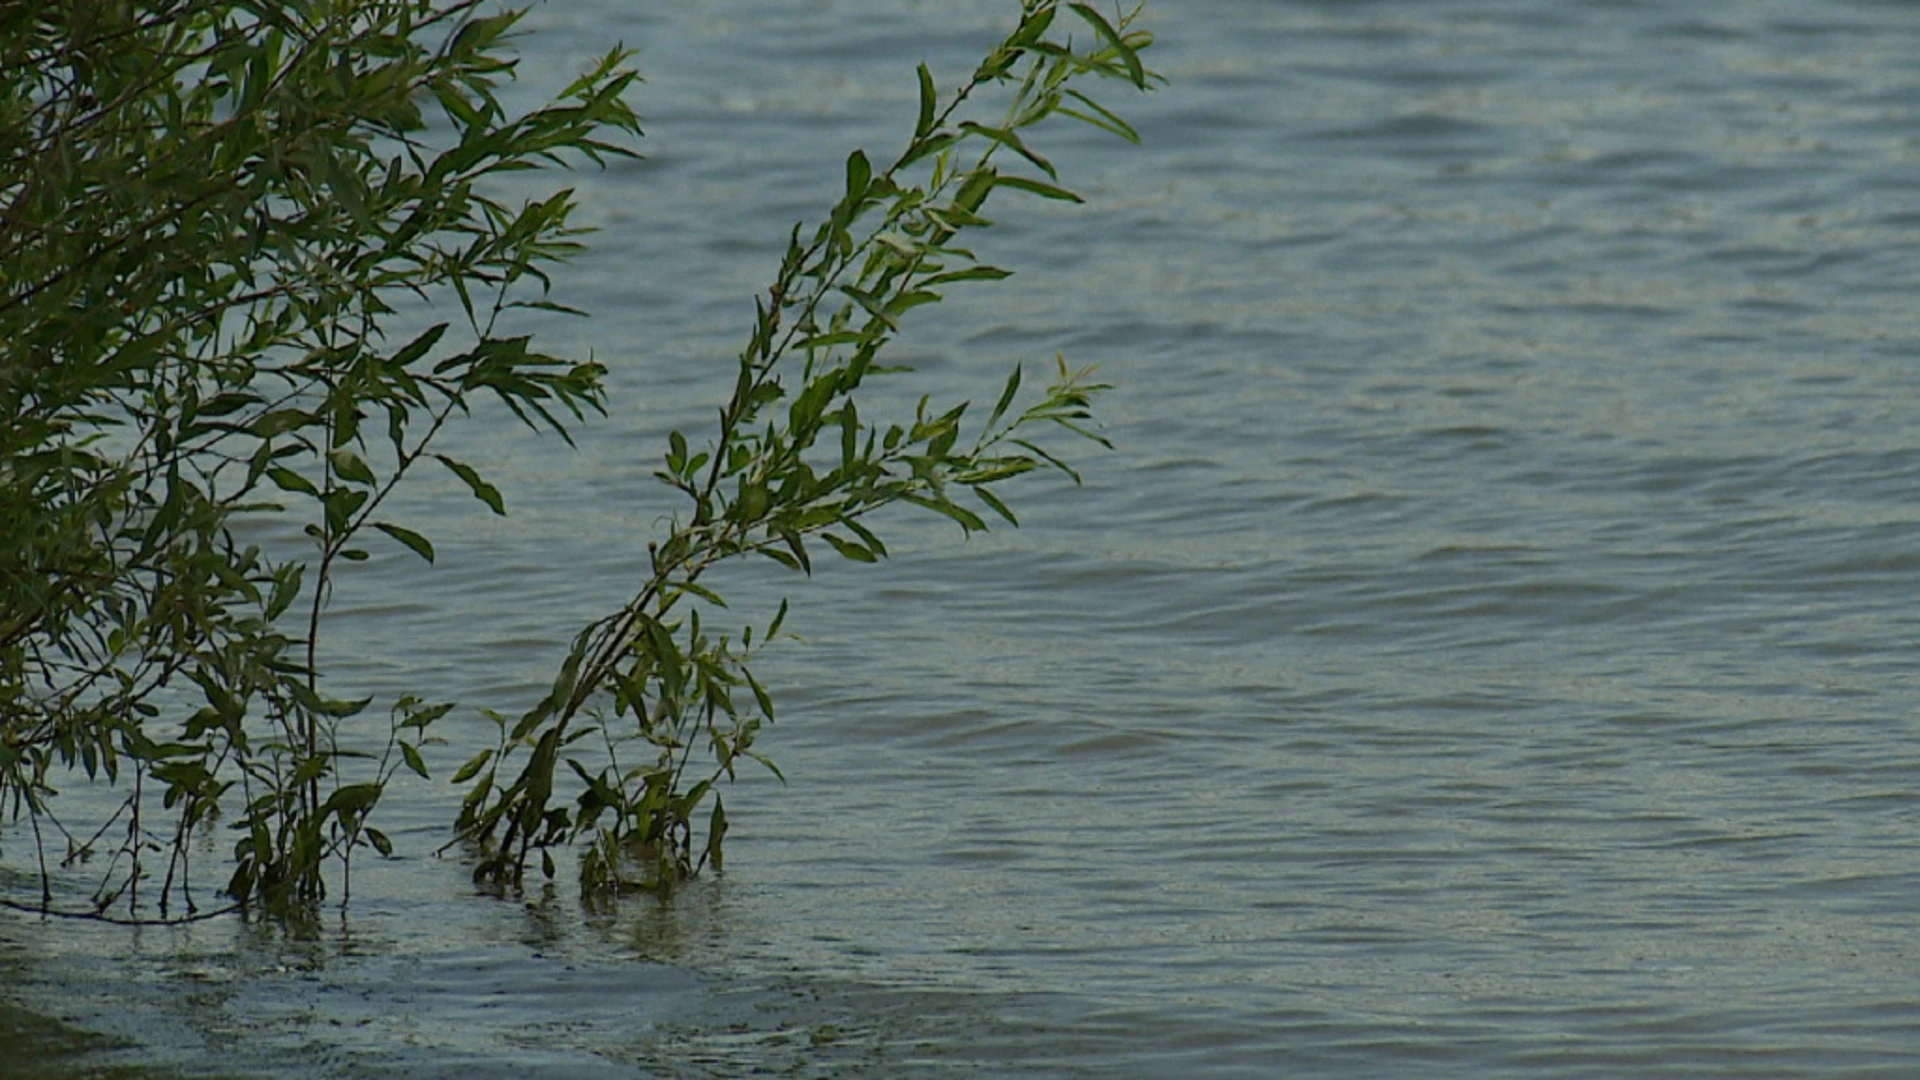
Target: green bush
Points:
(212, 212)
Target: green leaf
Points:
(1125, 51)
(824, 341)
(413, 761)
(352, 798)
(716, 832)
(998, 507)
(933, 144)
(1006, 397)
(859, 176)
(866, 536)
(346, 187)
(1048, 458)
(482, 490)
(473, 766)
(971, 195)
(1102, 118)
(760, 696)
(281, 421)
(928, 99)
(408, 537)
(780, 557)
(1034, 25)
(872, 305)
(418, 347)
(971, 273)
(849, 550)
(288, 480)
(286, 588)
(907, 301)
(849, 433)
(1011, 141)
(968, 520)
(798, 547)
(1044, 190)
(349, 466)
(224, 404)
(679, 588)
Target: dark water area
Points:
(1490, 650)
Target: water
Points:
(1488, 652)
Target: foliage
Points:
(213, 213)
(210, 210)
(793, 461)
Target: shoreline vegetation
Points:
(210, 213)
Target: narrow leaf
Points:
(968, 520)
(849, 550)
(1044, 190)
(859, 175)
(288, 480)
(1105, 120)
(418, 347)
(1125, 51)
(824, 341)
(473, 766)
(971, 273)
(928, 98)
(1012, 142)
(412, 757)
(1006, 397)
(998, 507)
(482, 490)
(411, 539)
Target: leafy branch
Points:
(794, 463)
(210, 211)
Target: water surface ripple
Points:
(1489, 653)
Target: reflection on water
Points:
(1488, 652)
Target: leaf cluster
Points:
(794, 466)
(214, 216)
(212, 212)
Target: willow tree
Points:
(212, 214)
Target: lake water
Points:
(1490, 651)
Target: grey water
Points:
(1490, 649)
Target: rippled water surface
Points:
(1490, 650)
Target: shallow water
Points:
(1489, 651)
